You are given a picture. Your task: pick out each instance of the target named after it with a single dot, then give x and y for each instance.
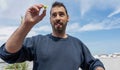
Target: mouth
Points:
(58, 25)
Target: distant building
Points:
(104, 55)
(115, 55)
(107, 55)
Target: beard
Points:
(59, 27)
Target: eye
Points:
(54, 15)
(61, 14)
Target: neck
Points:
(61, 35)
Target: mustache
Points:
(58, 22)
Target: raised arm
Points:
(32, 17)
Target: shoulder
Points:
(74, 38)
(36, 37)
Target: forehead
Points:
(57, 9)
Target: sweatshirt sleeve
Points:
(89, 62)
(6, 56)
(25, 53)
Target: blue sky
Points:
(95, 22)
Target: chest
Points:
(58, 51)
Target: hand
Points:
(33, 16)
(99, 68)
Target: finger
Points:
(42, 15)
(34, 9)
(39, 6)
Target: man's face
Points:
(58, 18)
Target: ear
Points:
(67, 18)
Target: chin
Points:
(59, 30)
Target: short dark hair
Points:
(59, 4)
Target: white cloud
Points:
(86, 5)
(107, 24)
(14, 9)
(44, 28)
(91, 27)
(5, 32)
(73, 27)
(3, 5)
(114, 13)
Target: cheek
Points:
(65, 19)
(51, 20)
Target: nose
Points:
(57, 18)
